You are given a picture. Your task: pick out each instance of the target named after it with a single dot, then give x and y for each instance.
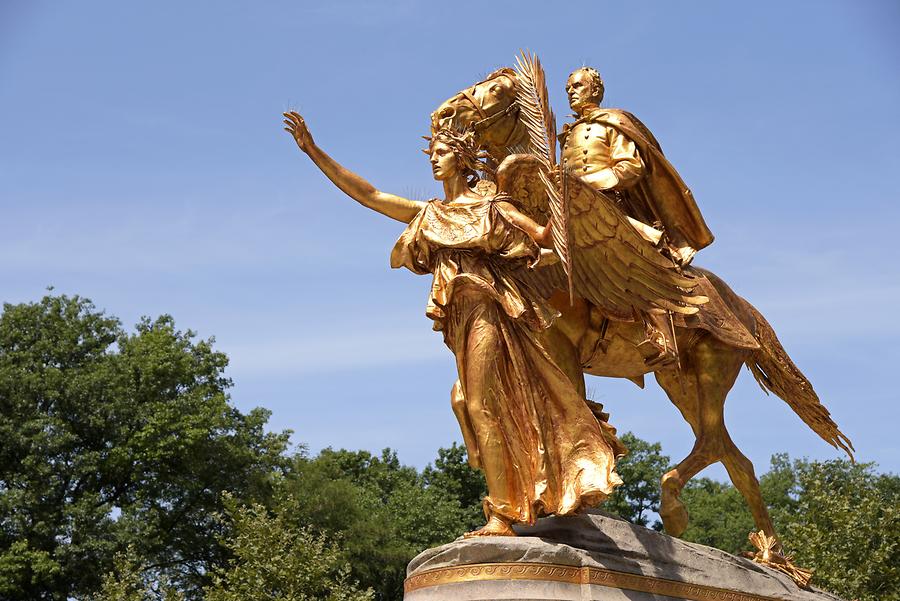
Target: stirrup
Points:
(655, 355)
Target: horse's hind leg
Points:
(740, 470)
(709, 369)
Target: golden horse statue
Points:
(713, 343)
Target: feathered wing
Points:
(518, 175)
(604, 258)
(614, 267)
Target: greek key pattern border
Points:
(575, 575)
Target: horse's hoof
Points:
(672, 511)
(674, 517)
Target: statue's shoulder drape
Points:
(472, 244)
(669, 197)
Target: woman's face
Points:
(443, 161)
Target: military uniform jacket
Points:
(648, 186)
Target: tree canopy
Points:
(112, 439)
(637, 499)
(382, 512)
(838, 518)
(126, 474)
(276, 559)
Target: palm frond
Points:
(536, 114)
(540, 123)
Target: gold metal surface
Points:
(519, 397)
(712, 344)
(547, 268)
(613, 151)
(575, 575)
(769, 554)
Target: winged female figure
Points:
(519, 402)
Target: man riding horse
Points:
(612, 155)
(615, 153)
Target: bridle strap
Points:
(468, 96)
(489, 121)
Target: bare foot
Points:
(496, 526)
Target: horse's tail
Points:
(775, 372)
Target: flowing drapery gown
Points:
(525, 423)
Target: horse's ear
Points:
(508, 71)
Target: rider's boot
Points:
(658, 350)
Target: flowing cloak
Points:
(525, 424)
(661, 195)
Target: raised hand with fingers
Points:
(296, 126)
(354, 186)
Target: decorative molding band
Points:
(575, 575)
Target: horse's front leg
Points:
(709, 369)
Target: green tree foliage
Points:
(381, 512)
(718, 515)
(846, 525)
(840, 519)
(637, 499)
(454, 477)
(274, 559)
(113, 439)
(128, 582)
(117, 448)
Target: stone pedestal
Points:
(592, 556)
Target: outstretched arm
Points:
(396, 207)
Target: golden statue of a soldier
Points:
(616, 154)
(544, 269)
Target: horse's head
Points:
(489, 108)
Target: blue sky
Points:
(142, 164)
